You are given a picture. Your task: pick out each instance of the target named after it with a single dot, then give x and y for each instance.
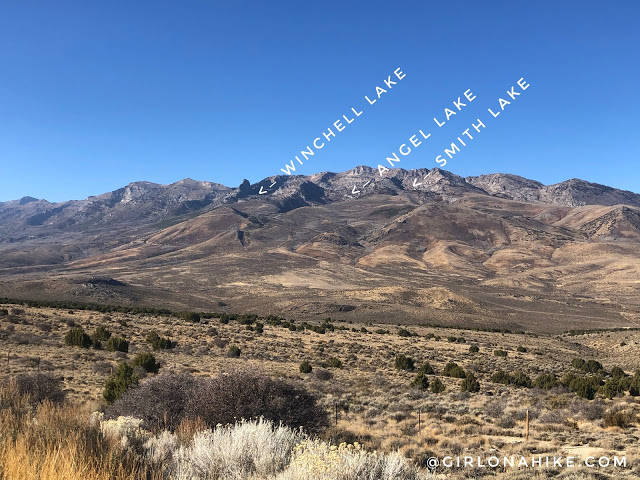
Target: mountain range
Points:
(417, 246)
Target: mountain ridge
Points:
(492, 183)
(419, 245)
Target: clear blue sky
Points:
(94, 95)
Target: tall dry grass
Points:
(58, 442)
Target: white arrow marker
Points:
(414, 182)
(262, 191)
(271, 186)
(366, 184)
(354, 191)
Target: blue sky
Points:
(94, 95)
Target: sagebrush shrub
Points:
(500, 353)
(618, 419)
(247, 449)
(319, 460)
(474, 349)
(324, 375)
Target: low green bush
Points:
(333, 362)
(190, 316)
(454, 370)
(587, 366)
(117, 344)
(305, 367)
(402, 362)
(159, 343)
(500, 376)
(617, 372)
(147, 361)
(546, 381)
(122, 379)
(634, 384)
(521, 379)
(437, 386)
(420, 382)
(403, 332)
(585, 387)
(77, 337)
(470, 384)
(426, 369)
(615, 386)
(234, 351)
(101, 334)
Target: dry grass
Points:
(57, 442)
(375, 405)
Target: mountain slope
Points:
(420, 246)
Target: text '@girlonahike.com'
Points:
(523, 462)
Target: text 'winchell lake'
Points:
(342, 123)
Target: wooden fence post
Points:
(526, 435)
